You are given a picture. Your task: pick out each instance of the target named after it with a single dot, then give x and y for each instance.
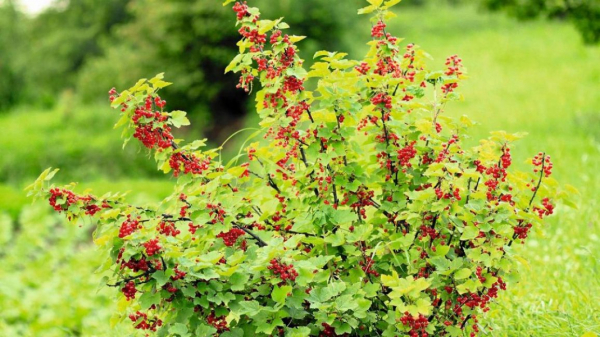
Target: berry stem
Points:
(539, 181)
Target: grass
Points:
(539, 78)
(49, 287)
(78, 139)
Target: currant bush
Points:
(354, 209)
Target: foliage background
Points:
(56, 67)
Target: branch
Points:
(270, 180)
(310, 115)
(396, 89)
(273, 185)
(476, 186)
(127, 280)
(307, 234)
(259, 241)
(469, 190)
(303, 158)
(539, 182)
(462, 326)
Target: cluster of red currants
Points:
(129, 226)
(152, 247)
(219, 323)
(129, 290)
(417, 325)
(143, 323)
(230, 238)
(282, 270)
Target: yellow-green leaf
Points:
(295, 38)
(375, 3)
(391, 3)
(367, 10)
(179, 119)
(280, 293)
(266, 25)
(462, 274)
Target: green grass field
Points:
(535, 77)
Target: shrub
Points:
(358, 211)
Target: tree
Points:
(12, 28)
(585, 14)
(191, 41)
(64, 37)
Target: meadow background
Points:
(533, 76)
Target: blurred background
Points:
(534, 66)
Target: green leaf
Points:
(298, 72)
(122, 121)
(279, 294)
(178, 118)
(424, 306)
(462, 274)
(296, 38)
(320, 295)
(235, 62)
(441, 250)
(266, 25)
(158, 77)
(321, 53)
(250, 308)
(391, 3)
(196, 144)
(44, 174)
(238, 281)
(267, 328)
(160, 277)
(179, 329)
(404, 286)
(298, 332)
(205, 330)
(157, 82)
(121, 99)
(161, 84)
(371, 289)
(470, 233)
(342, 328)
(367, 10)
(346, 303)
(184, 314)
(336, 239)
(469, 286)
(148, 299)
(51, 175)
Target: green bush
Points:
(361, 212)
